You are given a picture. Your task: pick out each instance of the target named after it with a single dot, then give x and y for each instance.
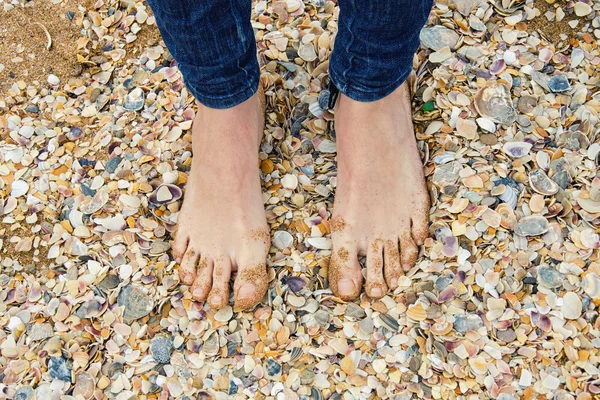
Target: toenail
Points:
(216, 299)
(198, 292)
(346, 286)
(376, 292)
(406, 266)
(394, 282)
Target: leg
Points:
(381, 204)
(222, 224)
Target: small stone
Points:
(161, 348)
(32, 108)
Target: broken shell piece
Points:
(95, 204)
(134, 100)
(495, 102)
(589, 239)
(517, 149)
(572, 306)
(540, 182)
(533, 225)
(591, 285)
(165, 194)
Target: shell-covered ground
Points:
(95, 147)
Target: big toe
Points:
(345, 278)
(250, 286)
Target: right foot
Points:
(222, 225)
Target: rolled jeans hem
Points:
(223, 102)
(361, 95)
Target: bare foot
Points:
(381, 203)
(222, 225)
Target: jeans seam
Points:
(238, 24)
(350, 55)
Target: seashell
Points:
(307, 52)
(165, 194)
(527, 104)
(273, 367)
(545, 55)
(441, 329)
(494, 101)
(549, 277)
(289, 181)
(282, 240)
(447, 294)
(543, 160)
(134, 100)
(559, 84)
(497, 67)
(389, 322)
(509, 196)
(589, 238)
(295, 283)
(232, 348)
(224, 314)
(19, 188)
(572, 306)
(95, 203)
(416, 312)
(533, 225)
(450, 246)
(517, 149)
(486, 124)
(589, 205)
(537, 203)
(591, 285)
(210, 347)
(458, 205)
(540, 182)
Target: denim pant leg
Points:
(214, 46)
(375, 44)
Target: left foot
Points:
(381, 204)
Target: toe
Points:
(250, 286)
(376, 286)
(179, 245)
(345, 278)
(252, 280)
(187, 270)
(203, 281)
(408, 252)
(392, 266)
(219, 294)
(419, 227)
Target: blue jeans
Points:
(214, 46)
